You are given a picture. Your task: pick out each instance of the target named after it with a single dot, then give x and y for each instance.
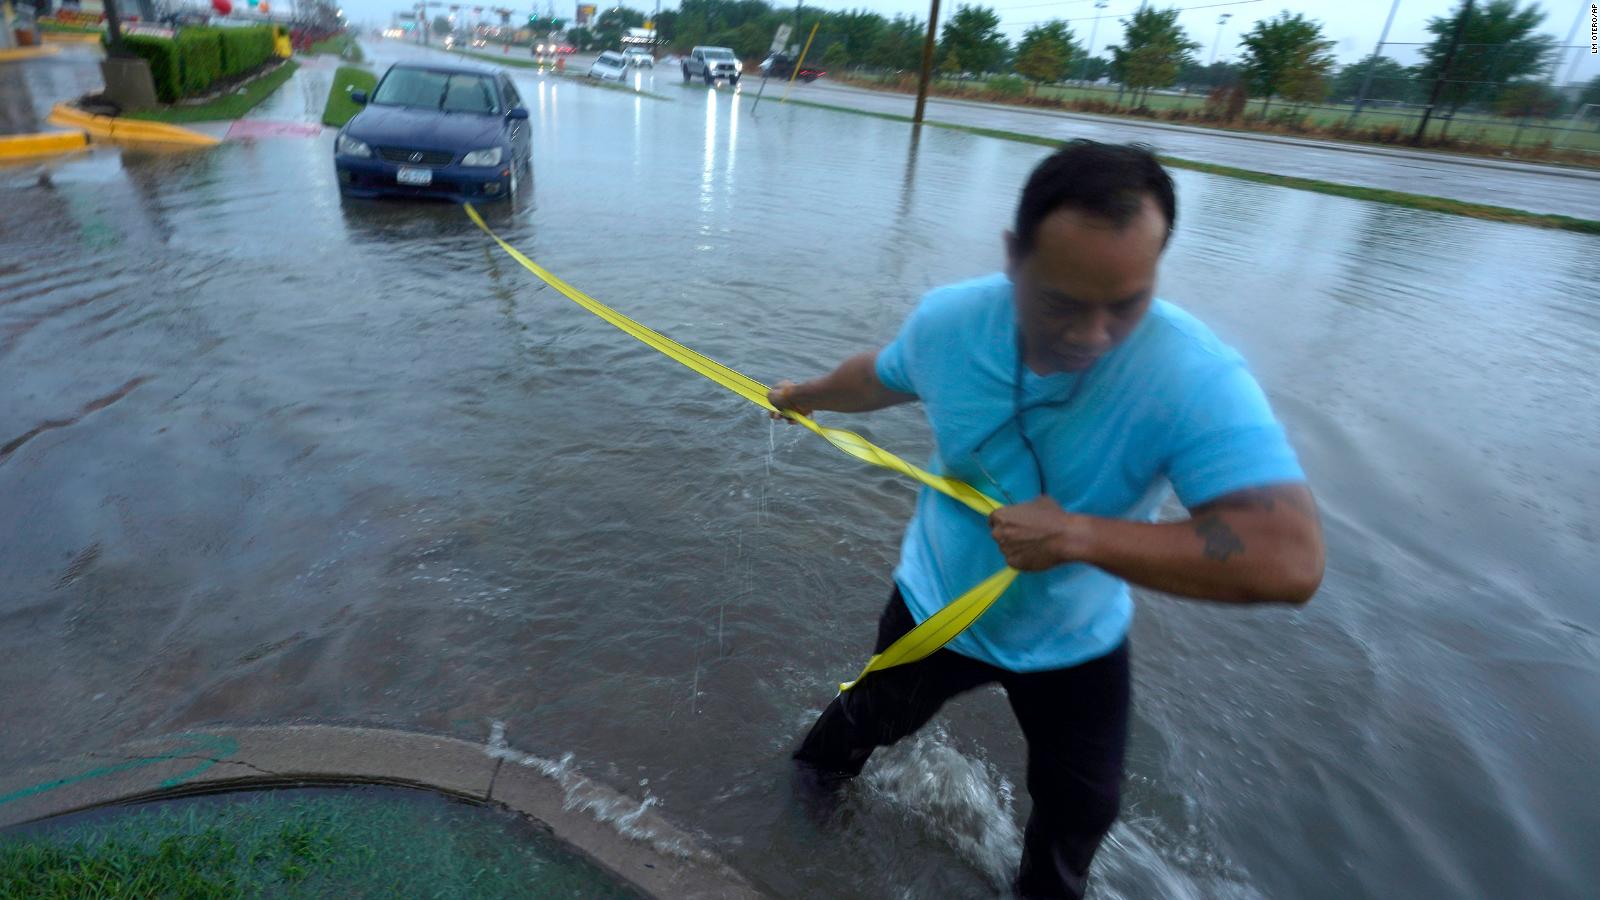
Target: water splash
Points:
(962, 801)
(625, 815)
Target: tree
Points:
(1094, 68)
(1046, 52)
(666, 23)
(608, 29)
(1154, 47)
(1286, 55)
(1390, 81)
(898, 45)
(1591, 92)
(582, 38)
(972, 37)
(1529, 99)
(1194, 76)
(836, 58)
(1498, 45)
(441, 25)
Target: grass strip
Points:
(341, 45)
(341, 108)
(1355, 192)
(229, 106)
(520, 62)
(64, 28)
(277, 845)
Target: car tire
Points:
(734, 81)
(710, 81)
(685, 74)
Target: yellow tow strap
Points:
(937, 629)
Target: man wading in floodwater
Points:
(1064, 388)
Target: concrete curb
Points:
(17, 54)
(120, 129)
(45, 143)
(626, 837)
(71, 37)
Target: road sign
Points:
(781, 39)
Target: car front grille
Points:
(416, 157)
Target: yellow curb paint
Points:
(48, 143)
(17, 54)
(116, 128)
(71, 37)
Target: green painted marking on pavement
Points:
(217, 747)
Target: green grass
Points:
(341, 108)
(63, 28)
(229, 106)
(341, 45)
(1492, 132)
(317, 843)
(509, 59)
(1375, 195)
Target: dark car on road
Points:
(457, 132)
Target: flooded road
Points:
(264, 455)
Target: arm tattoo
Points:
(1220, 541)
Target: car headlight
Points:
(349, 146)
(738, 66)
(489, 157)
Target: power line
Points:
(1118, 15)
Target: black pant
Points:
(1075, 721)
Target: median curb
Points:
(45, 143)
(625, 836)
(17, 54)
(122, 130)
(72, 37)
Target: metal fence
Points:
(1527, 116)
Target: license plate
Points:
(414, 176)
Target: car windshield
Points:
(427, 89)
(718, 54)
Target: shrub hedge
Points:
(199, 59)
(162, 55)
(243, 49)
(191, 63)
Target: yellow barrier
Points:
(70, 37)
(119, 128)
(935, 631)
(18, 54)
(18, 146)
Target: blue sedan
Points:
(456, 132)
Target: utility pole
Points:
(1222, 20)
(927, 62)
(1444, 72)
(1366, 83)
(1093, 31)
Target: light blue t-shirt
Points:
(1171, 405)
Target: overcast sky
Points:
(1353, 25)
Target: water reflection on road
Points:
(267, 455)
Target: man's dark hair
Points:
(1107, 180)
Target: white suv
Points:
(638, 57)
(712, 63)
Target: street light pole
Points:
(1093, 31)
(1366, 83)
(1221, 20)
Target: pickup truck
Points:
(781, 66)
(711, 63)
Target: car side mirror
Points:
(517, 112)
(359, 98)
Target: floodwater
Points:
(266, 456)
